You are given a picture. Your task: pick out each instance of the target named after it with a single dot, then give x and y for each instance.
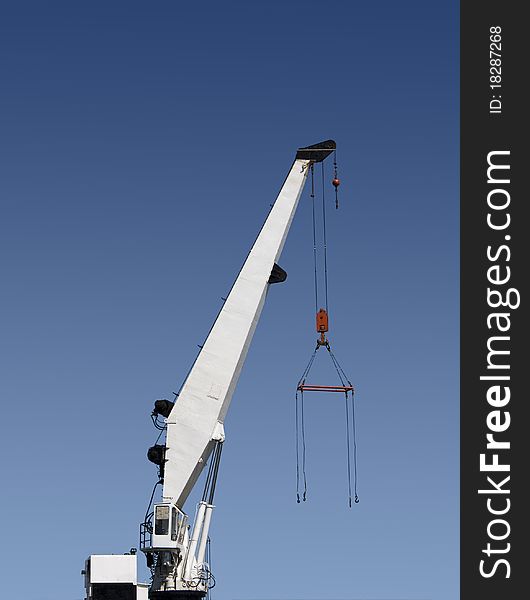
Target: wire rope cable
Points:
(324, 239)
(314, 237)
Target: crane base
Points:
(113, 591)
(177, 595)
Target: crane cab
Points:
(166, 530)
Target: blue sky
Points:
(141, 146)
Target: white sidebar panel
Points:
(197, 417)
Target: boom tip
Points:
(317, 152)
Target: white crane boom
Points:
(196, 420)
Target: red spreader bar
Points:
(325, 388)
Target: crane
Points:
(194, 424)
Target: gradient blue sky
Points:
(141, 145)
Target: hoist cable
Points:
(338, 367)
(351, 433)
(354, 449)
(325, 241)
(348, 445)
(299, 399)
(314, 236)
(300, 431)
(308, 367)
(300, 440)
(349, 428)
(303, 446)
(340, 373)
(297, 437)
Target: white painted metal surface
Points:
(198, 541)
(113, 568)
(194, 539)
(197, 417)
(201, 552)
